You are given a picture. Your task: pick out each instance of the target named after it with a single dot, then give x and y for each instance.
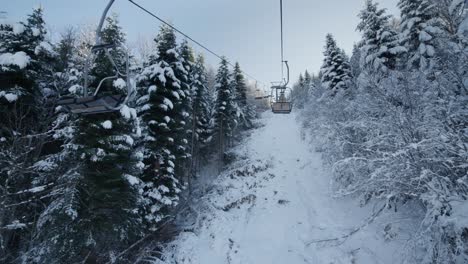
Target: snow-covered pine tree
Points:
(419, 29)
(26, 75)
(102, 218)
(355, 61)
(201, 109)
(452, 15)
(298, 91)
(335, 71)
(160, 91)
(58, 167)
(380, 46)
(183, 71)
(225, 108)
(302, 89)
(239, 87)
(307, 81)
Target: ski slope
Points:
(274, 205)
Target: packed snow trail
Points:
(274, 204)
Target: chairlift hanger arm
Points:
(287, 69)
(101, 22)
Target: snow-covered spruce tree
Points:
(380, 46)
(57, 168)
(225, 118)
(308, 79)
(100, 217)
(447, 108)
(201, 109)
(302, 88)
(355, 61)
(183, 71)
(298, 92)
(160, 90)
(419, 29)
(401, 140)
(451, 15)
(26, 74)
(239, 86)
(335, 71)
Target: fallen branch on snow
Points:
(343, 238)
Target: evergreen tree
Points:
(355, 61)
(336, 71)
(301, 80)
(99, 216)
(419, 29)
(25, 77)
(307, 80)
(201, 105)
(380, 47)
(58, 168)
(183, 133)
(225, 108)
(239, 88)
(161, 92)
(298, 92)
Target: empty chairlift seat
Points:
(92, 104)
(281, 107)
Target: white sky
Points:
(244, 30)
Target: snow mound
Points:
(120, 84)
(43, 46)
(18, 28)
(20, 59)
(107, 124)
(10, 97)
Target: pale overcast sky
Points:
(243, 30)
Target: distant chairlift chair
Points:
(281, 96)
(280, 103)
(96, 103)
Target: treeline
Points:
(83, 188)
(392, 119)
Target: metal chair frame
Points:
(95, 103)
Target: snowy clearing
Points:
(277, 206)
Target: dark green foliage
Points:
(22, 103)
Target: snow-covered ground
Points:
(274, 205)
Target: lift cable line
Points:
(280, 97)
(282, 45)
(188, 37)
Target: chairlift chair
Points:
(281, 103)
(281, 96)
(100, 103)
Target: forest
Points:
(391, 119)
(76, 187)
(385, 127)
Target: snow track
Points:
(274, 204)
